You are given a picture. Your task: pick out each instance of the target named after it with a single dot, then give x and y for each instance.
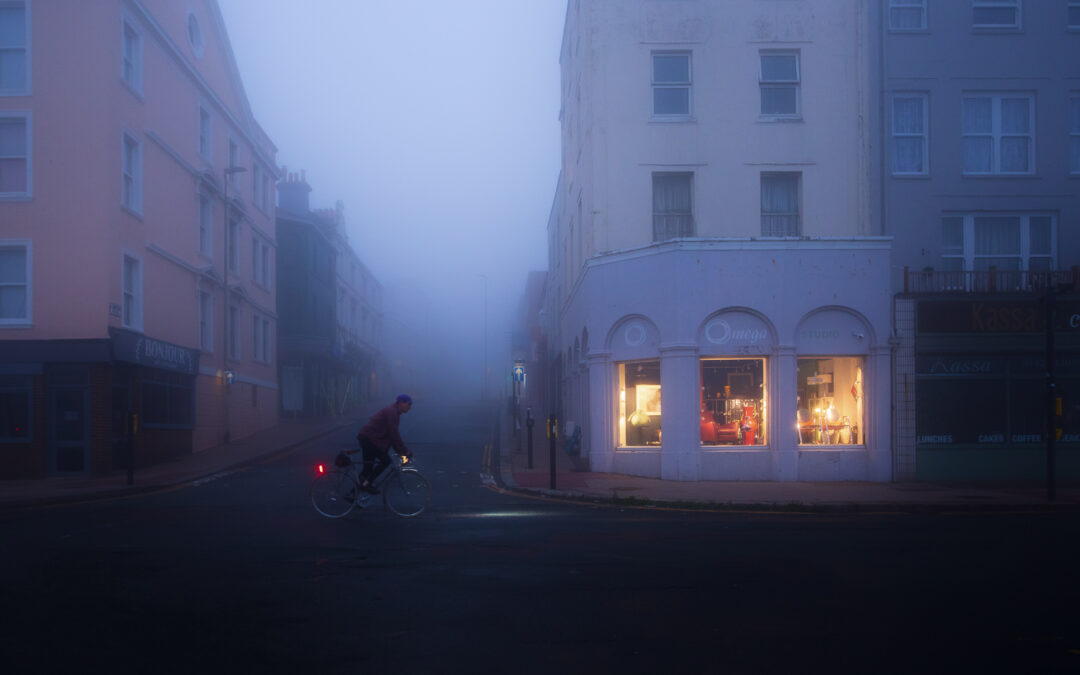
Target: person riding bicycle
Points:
(376, 437)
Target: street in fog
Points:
(241, 572)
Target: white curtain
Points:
(908, 130)
(978, 135)
(1015, 119)
(780, 205)
(672, 206)
(997, 242)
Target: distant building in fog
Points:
(330, 307)
(124, 285)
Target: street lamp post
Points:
(483, 381)
(225, 333)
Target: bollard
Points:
(553, 434)
(529, 426)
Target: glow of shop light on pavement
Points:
(507, 514)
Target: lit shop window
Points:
(639, 403)
(733, 396)
(830, 405)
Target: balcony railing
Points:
(992, 280)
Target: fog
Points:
(436, 123)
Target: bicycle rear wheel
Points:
(333, 494)
(407, 494)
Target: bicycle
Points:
(335, 492)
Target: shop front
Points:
(982, 393)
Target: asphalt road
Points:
(240, 574)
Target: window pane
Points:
(1074, 155)
(778, 101)
(1005, 264)
(1074, 16)
(12, 265)
(732, 401)
(1015, 154)
(1039, 227)
(671, 101)
(908, 115)
(12, 138)
(829, 401)
(780, 193)
(671, 193)
(908, 155)
(952, 235)
(12, 302)
(1074, 115)
(905, 19)
(12, 27)
(671, 68)
(1040, 264)
(978, 154)
(13, 175)
(997, 235)
(779, 68)
(639, 402)
(978, 116)
(12, 69)
(993, 16)
(1015, 115)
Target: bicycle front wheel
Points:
(333, 494)
(407, 494)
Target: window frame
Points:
(925, 134)
(908, 4)
(688, 85)
(968, 255)
(27, 246)
(169, 382)
(27, 117)
(795, 84)
(996, 135)
(131, 197)
(976, 5)
(135, 82)
(135, 320)
(232, 245)
(200, 48)
(27, 50)
(833, 392)
(798, 176)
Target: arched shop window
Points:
(634, 346)
(734, 345)
(832, 346)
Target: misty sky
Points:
(435, 121)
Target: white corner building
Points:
(718, 304)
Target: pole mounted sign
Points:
(519, 372)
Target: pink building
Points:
(127, 292)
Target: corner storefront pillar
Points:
(680, 454)
(601, 404)
(879, 443)
(785, 439)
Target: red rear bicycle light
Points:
(320, 468)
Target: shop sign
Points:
(995, 316)
(147, 351)
(958, 366)
(722, 332)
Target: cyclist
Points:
(376, 437)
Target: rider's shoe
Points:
(369, 488)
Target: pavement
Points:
(189, 469)
(572, 481)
